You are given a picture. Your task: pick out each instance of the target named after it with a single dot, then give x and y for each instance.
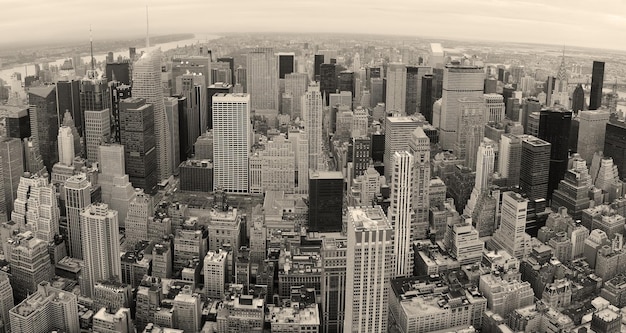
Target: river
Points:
(5, 74)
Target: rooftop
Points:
(294, 314)
(368, 218)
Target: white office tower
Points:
(278, 165)
(116, 189)
(401, 212)
(139, 210)
(296, 84)
(396, 88)
(511, 235)
(485, 162)
(36, 207)
(298, 139)
(147, 85)
(370, 267)
(47, 310)
(262, 79)
(436, 56)
(113, 321)
(398, 132)
(97, 131)
(419, 147)
(458, 82)
(231, 142)
(77, 197)
(312, 113)
(494, 108)
(65, 142)
(101, 246)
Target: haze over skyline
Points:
(560, 22)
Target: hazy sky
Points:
(599, 23)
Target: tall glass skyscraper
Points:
(147, 85)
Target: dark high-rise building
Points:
(328, 80)
(437, 83)
(377, 152)
(186, 147)
(217, 88)
(132, 53)
(490, 85)
(615, 144)
(554, 127)
(231, 64)
(361, 148)
(16, 121)
(529, 105)
(346, 82)
(68, 99)
(535, 167)
(597, 80)
(240, 77)
(196, 175)
(412, 95)
(426, 102)
(317, 63)
(501, 74)
(44, 123)
(534, 179)
(578, 99)
(286, 64)
(118, 71)
(117, 92)
(325, 201)
(93, 97)
(137, 137)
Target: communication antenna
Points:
(91, 46)
(147, 28)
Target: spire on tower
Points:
(91, 47)
(147, 28)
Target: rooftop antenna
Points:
(91, 46)
(147, 29)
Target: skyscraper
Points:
(212, 90)
(193, 88)
(597, 81)
(615, 144)
(44, 123)
(30, 263)
(426, 98)
(65, 141)
(419, 147)
(6, 300)
(139, 210)
(118, 92)
(312, 113)
(509, 158)
(137, 124)
(77, 197)
(398, 131)
(470, 131)
(97, 131)
(296, 84)
(333, 287)
(511, 235)
(101, 247)
(171, 112)
(578, 99)
(48, 309)
(458, 82)
(396, 88)
(231, 137)
(370, 265)
(401, 211)
(68, 100)
(286, 64)
(94, 96)
(147, 85)
(12, 168)
(262, 79)
(554, 127)
(328, 80)
(37, 208)
(326, 201)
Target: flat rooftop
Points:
(368, 218)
